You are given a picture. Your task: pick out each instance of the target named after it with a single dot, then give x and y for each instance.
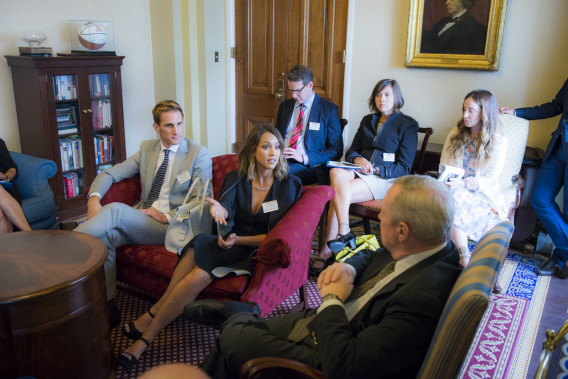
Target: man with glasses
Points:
(311, 129)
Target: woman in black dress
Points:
(11, 213)
(254, 197)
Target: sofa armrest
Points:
(297, 225)
(33, 175)
(126, 191)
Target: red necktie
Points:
(296, 133)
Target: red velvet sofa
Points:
(282, 259)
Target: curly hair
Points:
(247, 155)
(485, 144)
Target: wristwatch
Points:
(330, 296)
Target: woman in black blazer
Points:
(383, 148)
(253, 198)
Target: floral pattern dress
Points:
(474, 215)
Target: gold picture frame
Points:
(426, 48)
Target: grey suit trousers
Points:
(118, 224)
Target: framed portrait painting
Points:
(455, 34)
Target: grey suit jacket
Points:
(190, 157)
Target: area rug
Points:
(181, 341)
(505, 338)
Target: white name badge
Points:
(314, 126)
(270, 206)
(183, 176)
(388, 157)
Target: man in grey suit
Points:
(167, 167)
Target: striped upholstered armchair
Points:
(466, 305)
(457, 326)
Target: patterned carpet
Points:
(181, 341)
(502, 347)
(506, 336)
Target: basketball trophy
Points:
(91, 37)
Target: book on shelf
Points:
(103, 149)
(65, 87)
(72, 184)
(34, 50)
(71, 150)
(102, 115)
(99, 85)
(103, 167)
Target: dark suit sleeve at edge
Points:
(546, 110)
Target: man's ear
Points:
(156, 127)
(402, 231)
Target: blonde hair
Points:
(247, 155)
(485, 144)
(163, 107)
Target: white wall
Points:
(532, 70)
(533, 63)
(132, 38)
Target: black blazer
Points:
(399, 135)
(236, 197)
(466, 36)
(559, 105)
(390, 336)
(321, 145)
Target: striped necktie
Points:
(298, 129)
(158, 181)
(300, 330)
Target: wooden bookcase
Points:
(70, 111)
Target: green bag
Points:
(368, 241)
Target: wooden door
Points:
(272, 36)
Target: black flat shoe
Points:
(549, 267)
(132, 332)
(341, 241)
(127, 360)
(315, 271)
(214, 312)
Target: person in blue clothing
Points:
(552, 176)
(310, 127)
(384, 148)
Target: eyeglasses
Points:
(297, 90)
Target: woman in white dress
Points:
(476, 146)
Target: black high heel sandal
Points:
(341, 241)
(315, 271)
(127, 360)
(132, 332)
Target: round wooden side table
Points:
(53, 308)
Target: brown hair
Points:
(247, 155)
(163, 107)
(300, 73)
(398, 99)
(489, 124)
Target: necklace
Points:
(262, 189)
